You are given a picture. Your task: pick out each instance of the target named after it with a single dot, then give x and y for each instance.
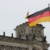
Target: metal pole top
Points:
(49, 5)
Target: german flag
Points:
(38, 17)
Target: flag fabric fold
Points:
(38, 17)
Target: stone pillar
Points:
(29, 47)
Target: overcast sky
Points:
(13, 12)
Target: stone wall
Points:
(4, 47)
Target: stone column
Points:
(29, 47)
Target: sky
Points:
(13, 13)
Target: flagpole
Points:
(49, 10)
(49, 5)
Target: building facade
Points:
(27, 38)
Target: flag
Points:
(38, 17)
